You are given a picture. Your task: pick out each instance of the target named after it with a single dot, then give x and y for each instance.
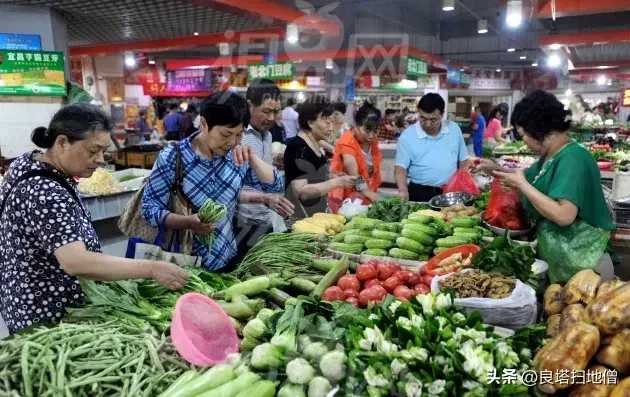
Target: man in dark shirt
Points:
(173, 124)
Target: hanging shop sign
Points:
(274, 71)
(416, 67)
(193, 80)
(453, 76)
(16, 41)
(626, 97)
(489, 84)
(465, 79)
(32, 73)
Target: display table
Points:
(107, 207)
(131, 158)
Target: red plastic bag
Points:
(462, 181)
(504, 208)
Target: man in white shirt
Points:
(290, 119)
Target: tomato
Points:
(395, 266)
(353, 300)
(403, 275)
(391, 283)
(333, 293)
(372, 282)
(403, 292)
(385, 271)
(414, 279)
(421, 289)
(349, 281)
(426, 279)
(350, 293)
(382, 292)
(365, 272)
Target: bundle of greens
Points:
(428, 347)
(481, 202)
(211, 212)
(504, 256)
(88, 359)
(393, 209)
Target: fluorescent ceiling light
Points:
(514, 15)
(329, 64)
(568, 92)
(130, 59)
(408, 84)
(196, 33)
(482, 26)
(498, 70)
(535, 64)
(293, 33)
(511, 49)
(553, 60)
(151, 61)
(523, 57)
(448, 5)
(555, 46)
(601, 79)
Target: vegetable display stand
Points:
(408, 264)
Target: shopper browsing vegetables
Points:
(215, 167)
(561, 192)
(46, 238)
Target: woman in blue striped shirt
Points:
(215, 166)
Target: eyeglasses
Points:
(430, 120)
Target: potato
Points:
(611, 311)
(553, 325)
(553, 300)
(593, 389)
(616, 352)
(607, 286)
(582, 287)
(622, 389)
(570, 350)
(572, 315)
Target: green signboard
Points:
(273, 71)
(416, 67)
(32, 73)
(465, 79)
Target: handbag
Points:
(132, 223)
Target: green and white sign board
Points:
(273, 71)
(32, 73)
(416, 67)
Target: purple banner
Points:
(189, 80)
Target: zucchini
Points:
(383, 235)
(470, 230)
(358, 232)
(324, 264)
(451, 241)
(418, 236)
(469, 236)
(375, 252)
(331, 277)
(426, 229)
(465, 221)
(355, 239)
(339, 237)
(302, 285)
(403, 254)
(418, 218)
(410, 245)
(346, 248)
(378, 244)
(390, 227)
(364, 223)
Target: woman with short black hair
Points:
(562, 191)
(46, 238)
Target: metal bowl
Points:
(502, 232)
(449, 199)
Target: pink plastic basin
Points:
(201, 331)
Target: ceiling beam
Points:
(280, 12)
(159, 45)
(586, 38)
(601, 64)
(568, 8)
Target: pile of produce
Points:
(478, 284)
(394, 209)
(458, 211)
(451, 260)
(99, 184)
(373, 281)
(589, 322)
(506, 257)
(87, 359)
(320, 223)
(211, 212)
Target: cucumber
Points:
(469, 236)
(470, 230)
(358, 232)
(324, 264)
(451, 241)
(378, 244)
(409, 245)
(331, 277)
(302, 285)
(465, 221)
(402, 254)
(383, 235)
(417, 218)
(339, 237)
(375, 252)
(418, 236)
(347, 248)
(355, 239)
(390, 227)
(426, 229)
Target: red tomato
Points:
(385, 271)
(403, 293)
(333, 293)
(353, 300)
(391, 283)
(395, 266)
(365, 272)
(414, 279)
(372, 283)
(382, 292)
(403, 275)
(426, 279)
(421, 289)
(349, 281)
(350, 293)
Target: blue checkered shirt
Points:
(219, 179)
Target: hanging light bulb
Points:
(224, 49)
(448, 5)
(293, 33)
(330, 64)
(130, 59)
(482, 26)
(553, 60)
(514, 14)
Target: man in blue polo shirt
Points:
(429, 152)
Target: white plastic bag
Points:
(351, 208)
(516, 311)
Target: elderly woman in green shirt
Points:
(561, 192)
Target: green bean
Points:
(28, 388)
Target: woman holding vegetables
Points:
(46, 238)
(215, 166)
(561, 192)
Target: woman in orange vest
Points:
(357, 154)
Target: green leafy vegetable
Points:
(508, 258)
